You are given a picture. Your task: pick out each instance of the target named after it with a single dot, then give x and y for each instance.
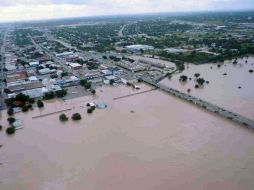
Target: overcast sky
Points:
(11, 10)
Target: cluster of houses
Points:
(23, 81)
(34, 71)
(41, 76)
(10, 61)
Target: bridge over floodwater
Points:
(203, 104)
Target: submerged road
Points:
(134, 94)
(203, 104)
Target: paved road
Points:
(2, 63)
(134, 94)
(204, 104)
(50, 54)
(69, 46)
(38, 48)
(65, 44)
(120, 33)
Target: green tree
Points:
(87, 85)
(40, 104)
(31, 100)
(61, 93)
(10, 111)
(83, 82)
(24, 108)
(22, 98)
(49, 95)
(112, 81)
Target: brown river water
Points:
(222, 90)
(151, 141)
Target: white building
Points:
(46, 71)
(34, 64)
(34, 93)
(75, 66)
(111, 77)
(139, 47)
(33, 78)
(64, 54)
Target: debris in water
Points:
(17, 124)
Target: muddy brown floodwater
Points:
(151, 141)
(222, 90)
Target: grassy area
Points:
(200, 57)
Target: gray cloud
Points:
(44, 2)
(123, 3)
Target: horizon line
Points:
(124, 15)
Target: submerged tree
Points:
(11, 120)
(24, 108)
(76, 117)
(49, 95)
(40, 104)
(183, 78)
(63, 118)
(196, 75)
(10, 130)
(61, 93)
(89, 110)
(10, 111)
(200, 81)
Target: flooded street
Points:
(222, 90)
(151, 141)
